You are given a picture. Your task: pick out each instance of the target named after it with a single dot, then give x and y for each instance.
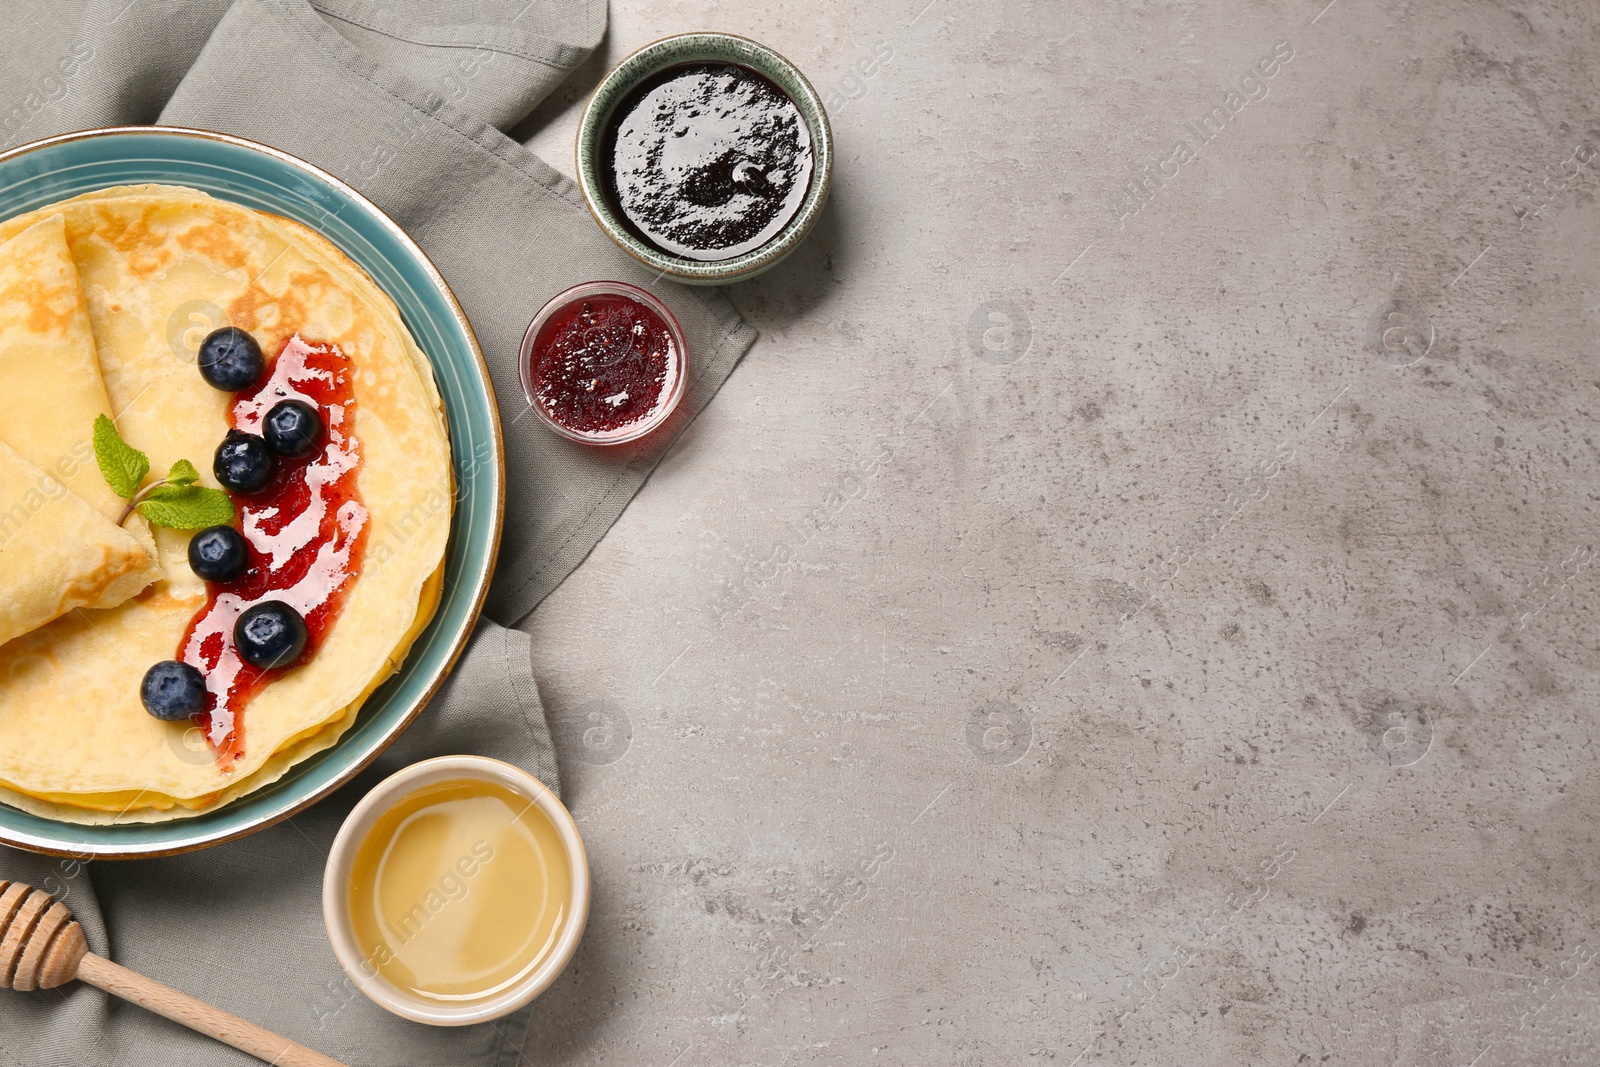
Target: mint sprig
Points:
(177, 501)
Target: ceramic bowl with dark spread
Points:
(706, 156)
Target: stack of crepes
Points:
(103, 301)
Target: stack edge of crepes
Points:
(153, 268)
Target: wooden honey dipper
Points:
(42, 946)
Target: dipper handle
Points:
(165, 1001)
(42, 946)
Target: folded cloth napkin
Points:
(406, 103)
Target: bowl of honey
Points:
(456, 891)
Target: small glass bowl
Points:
(672, 390)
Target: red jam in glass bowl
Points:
(604, 363)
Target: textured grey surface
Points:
(1187, 672)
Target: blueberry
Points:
(230, 359)
(218, 554)
(172, 691)
(243, 463)
(271, 634)
(292, 428)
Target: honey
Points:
(459, 891)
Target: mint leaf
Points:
(167, 493)
(186, 507)
(183, 473)
(123, 466)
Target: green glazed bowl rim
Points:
(268, 179)
(688, 48)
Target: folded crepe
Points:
(51, 388)
(60, 545)
(56, 552)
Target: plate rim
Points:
(458, 641)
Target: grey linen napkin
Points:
(405, 102)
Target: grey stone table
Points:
(1136, 602)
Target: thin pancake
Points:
(57, 553)
(142, 806)
(71, 728)
(50, 384)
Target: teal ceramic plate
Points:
(231, 168)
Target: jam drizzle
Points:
(307, 532)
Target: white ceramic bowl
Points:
(336, 895)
